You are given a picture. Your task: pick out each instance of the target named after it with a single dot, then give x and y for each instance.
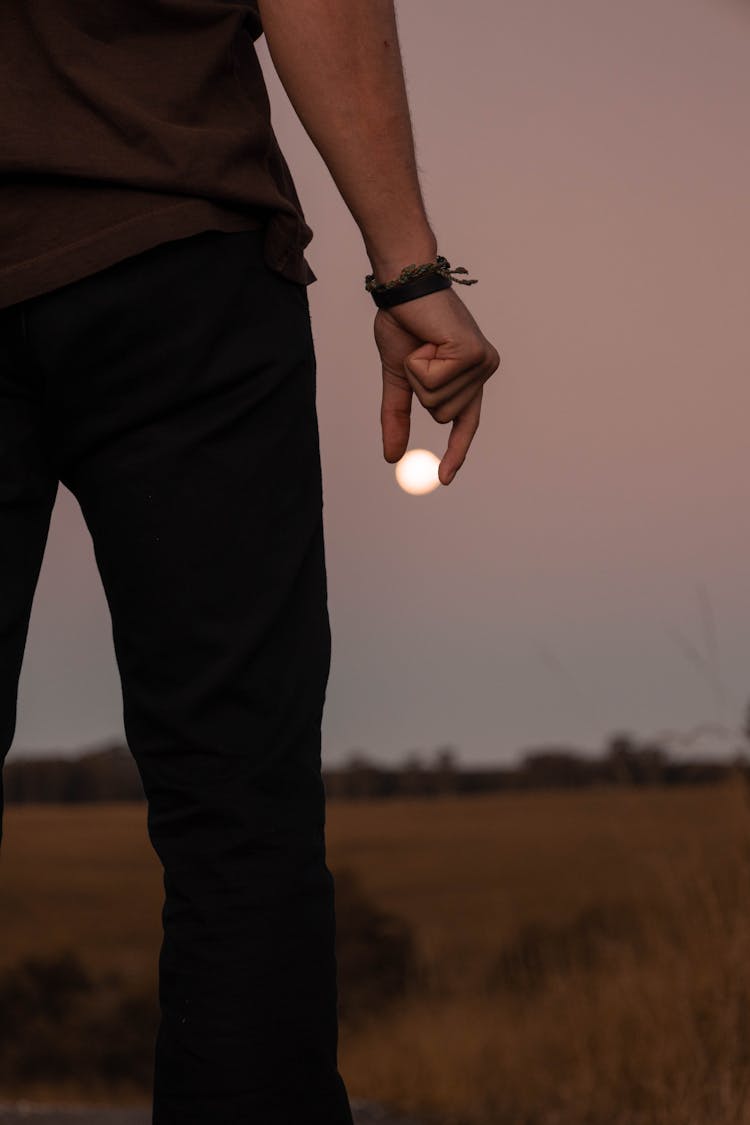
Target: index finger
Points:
(462, 431)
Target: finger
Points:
(447, 411)
(450, 395)
(462, 431)
(395, 418)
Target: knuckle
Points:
(490, 359)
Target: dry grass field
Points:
(582, 957)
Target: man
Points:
(156, 356)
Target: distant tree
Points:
(620, 756)
(650, 763)
(554, 767)
(362, 775)
(106, 774)
(412, 779)
(446, 769)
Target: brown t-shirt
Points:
(126, 123)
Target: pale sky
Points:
(589, 163)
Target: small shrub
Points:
(57, 1023)
(541, 949)
(375, 953)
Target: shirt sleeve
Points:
(253, 22)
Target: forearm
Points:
(340, 64)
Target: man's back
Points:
(125, 124)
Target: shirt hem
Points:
(74, 261)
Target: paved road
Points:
(365, 1113)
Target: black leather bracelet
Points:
(410, 290)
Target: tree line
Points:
(109, 773)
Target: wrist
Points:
(387, 263)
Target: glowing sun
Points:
(417, 472)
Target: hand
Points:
(432, 347)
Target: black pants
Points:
(174, 395)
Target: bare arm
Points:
(340, 64)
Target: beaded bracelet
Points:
(415, 281)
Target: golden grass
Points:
(81, 877)
(586, 954)
(655, 1030)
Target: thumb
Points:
(419, 360)
(395, 417)
(425, 365)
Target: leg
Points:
(27, 495)
(187, 400)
